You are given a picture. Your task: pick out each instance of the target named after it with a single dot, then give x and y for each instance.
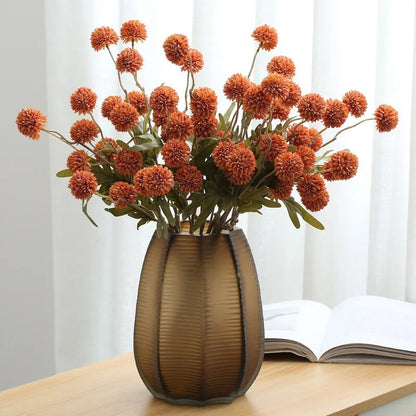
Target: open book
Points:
(365, 329)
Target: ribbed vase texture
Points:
(198, 335)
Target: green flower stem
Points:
(344, 129)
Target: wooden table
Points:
(285, 386)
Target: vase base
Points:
(199, 403)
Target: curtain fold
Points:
(370, 239)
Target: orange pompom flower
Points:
(176, 153)
(161, 119)
(311, 107)
(356, 103)
(129, 60)
(298, 135)
(282, 190)
(124, 116)
(386, 118)
(335, 114)
(77, 160)
(176, 49)
(282, 65)
(276, 86)
(128, 161)
(103, 37)
(138, 101)
(83, 100)
(313, 192)
(30, 122)
(222, 152)
(236, 87)
(139, 181)
(272, 145)
(158, 180)
(257, 102)
(308, 157)
(180, 126)
(122, 192)
(205, 127)
(203, 102)
(342, 165)
(267, 36)
(194, 61)
(279, 110)
(189, 178)
(315, 139)
(107, 146)
(163, 100)
(133, 31)
(288, 166)
(294, 94)
(108, 104)
(84, 131)
(240, 166)
(83, 184)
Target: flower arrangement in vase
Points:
(203, 168)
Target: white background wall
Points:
(26, 282)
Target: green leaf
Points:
(270, 203)
(122, 144)
(84, 210)
(206, 209)
(118, 212)
(292, 214)
(66, 173)
(145, 146)
(307, 217)
(229, 111)
(142, 221)
(164, 205)
(223, 124)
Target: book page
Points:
(372, 320)
(302, 321)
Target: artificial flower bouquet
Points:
(198, 165)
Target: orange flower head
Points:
(84, 131)
(161, 119)
(108, 104)
(122, 192)
(176, 49)
(180, 126)
(205, 127)
(133, 31)
(128, 161)
(279, 110)
(222, 134)
(356, 103)
(108, 147)
(83, 100)
(282, 190)
(298, 135)
(138, 101)
(311, 107)
(124, 116)
(241, 165)
(222, 152)
(272, 145)
(77, 160)
(315, 139)
(288, 166)
(342, 165)
(335, 114)
(163, 100)
(256, 101)
(103, 37)
(386, 118)
(30, 122)
(276, 85)
(154, 181)
(203, 102)
(129, 60)
(294, 95)
(236, 87)
(313, 192)
(308, 157)
(282, 65)
(194, 60)
(83, 184)
(176, 153)
(189, 178)
(266, 36)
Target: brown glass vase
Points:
(198, 336)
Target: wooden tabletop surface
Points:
(285, 386)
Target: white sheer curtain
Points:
(370, 238)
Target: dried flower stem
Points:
(118, 74)
(344, 129)
(99, 128)
(254, 60)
